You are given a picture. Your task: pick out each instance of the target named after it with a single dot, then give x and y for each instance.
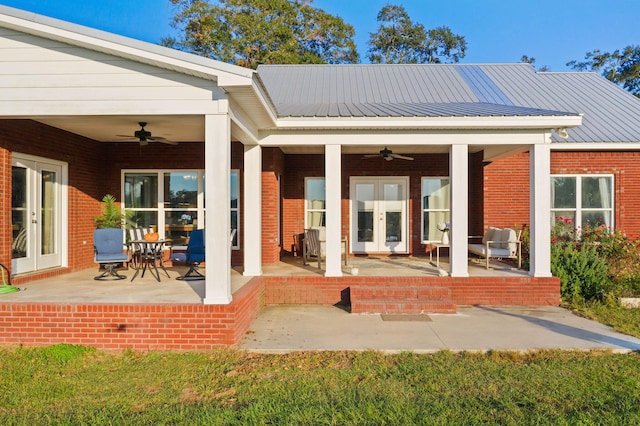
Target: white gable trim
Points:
(41, 26)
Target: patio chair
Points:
(193, 256)
(136, 234)
(108, 246)
(311, 246)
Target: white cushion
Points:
(506, 236)
(490, 234)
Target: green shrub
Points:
(583, 274)
(594, 261)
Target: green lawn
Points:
(74, 385)
(612, 314)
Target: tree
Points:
(525, 59)
(400, 41)
(253, 32)
(621, 66)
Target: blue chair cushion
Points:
(104, 258)
(108, 243)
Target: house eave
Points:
(595, 146)
(511, 122)
(77, 35)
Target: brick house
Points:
(289, 147)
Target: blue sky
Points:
(552, 31)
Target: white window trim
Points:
(236, 209)
(578, 209)
(423, 210)
(160, 209)
(307, 210)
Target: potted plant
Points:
(112, 216)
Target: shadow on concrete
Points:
(568, 330)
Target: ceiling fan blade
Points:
(162, 140)
(371, 156)
(402, 157)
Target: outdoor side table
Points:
(148, 254)
(437, 246)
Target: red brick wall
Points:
(625, 168)
(94, 170)
(5, 201)
(506, 185)
(88, 163)
(520, 291)
(134, 326)
(506, 192)
(297, 167)
(272, 167)
(476, 194)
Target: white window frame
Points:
(160, 208)
(578, 210)
(307, 208)
(236, 209)
(423, 210)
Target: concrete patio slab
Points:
(287, 328)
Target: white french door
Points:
(36, 214)
(379, 208)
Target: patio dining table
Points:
(147, 255)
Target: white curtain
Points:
(605, 198)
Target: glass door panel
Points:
(365, 212)
(36, 216)
(392, 206)
(379, 222)
(19, 213)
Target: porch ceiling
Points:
(374, 149)
(177, 128)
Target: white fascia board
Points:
(511, 122)
(114, 107)
(136, 50)
(392, 138)
(242, 121)
(595, 146)
(264, 98)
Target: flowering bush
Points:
(593, 260)
(444, 226)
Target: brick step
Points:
(400, 292)
(403, 306)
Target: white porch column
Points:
(459, 176)
(217, 164)
(333, 188)
(252, 210)
(540, 193)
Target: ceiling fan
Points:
(388, 155)
(144, 137)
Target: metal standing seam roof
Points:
(610, 114)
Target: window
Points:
(585, 199)
(435, 207)
(173, 201)
(315, 202)
(235, 205)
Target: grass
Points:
(611, 313)
(74, 385)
